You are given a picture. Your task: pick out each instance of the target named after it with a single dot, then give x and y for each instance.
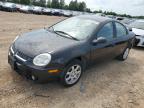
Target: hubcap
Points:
(73, 74)
(126, 53)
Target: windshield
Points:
(137, 24)
(78, 28)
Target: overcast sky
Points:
(132, 7)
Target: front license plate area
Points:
(20, 69)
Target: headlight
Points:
(42, 59)
(15, 39)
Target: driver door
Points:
(106, 50)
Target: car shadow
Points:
(138, 48)
(98, 76)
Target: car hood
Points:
(139, 32)
(42, 41)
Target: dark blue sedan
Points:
(65, 49)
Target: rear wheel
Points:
(125, 54)
(72, 73)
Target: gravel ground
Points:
(111, 84)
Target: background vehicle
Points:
(10, 7)
(127, 21)
(75, 13)
(46, 11)
(56, 12)
(24, 9)
(18, 6)
(138, 28)
(30, 9)
(1, 4)
(100, 14)
(67, 13)
(37, 10)
(119, 18)
(111, 16)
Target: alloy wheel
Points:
(73, 74)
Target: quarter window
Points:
(121, 30)
(106, 31)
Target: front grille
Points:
(11, 51)
(18, 54)
(13, 48)
(22, 55)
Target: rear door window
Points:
(120, 30)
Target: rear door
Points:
(121, 37)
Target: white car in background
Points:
(24, 9)
(100, 14)
(18, 6)
(1, 4)
(127, 21)
(75, 13)
(37, 10)
(138, 28)
(10, 7)
(56, 12)
(46, 11)
(67, 13)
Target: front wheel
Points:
(125, 54)
(72, 73)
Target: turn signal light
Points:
(53, 71)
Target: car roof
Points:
(96, 18)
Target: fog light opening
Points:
(33, 78)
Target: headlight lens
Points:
(42, 59)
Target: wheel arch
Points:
(80, 58)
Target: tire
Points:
(72, 73)
(125, 54)
(136, 41)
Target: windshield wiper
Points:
(66, 34)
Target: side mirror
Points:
(99, 40)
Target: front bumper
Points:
(27, 70)
(139, 41)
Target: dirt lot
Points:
(112, 84)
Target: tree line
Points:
(73, 5)
(59, 4)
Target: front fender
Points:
(65, 56)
